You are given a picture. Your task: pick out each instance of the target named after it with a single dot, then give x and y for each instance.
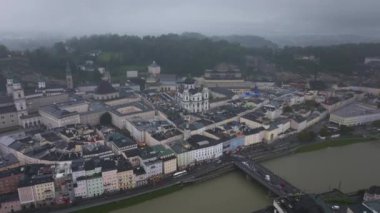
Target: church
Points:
(192, 98)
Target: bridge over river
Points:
(274, 183)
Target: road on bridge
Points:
(265, 177)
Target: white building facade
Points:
(355, 114)
(191, 98)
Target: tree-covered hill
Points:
(176, 54)
(344, 58)
(186, 54)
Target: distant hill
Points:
(193, 35)
(179, 54)
(249, 41)
(29, 41)
(188, 54)
(321, 40)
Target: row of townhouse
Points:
(270, 130)
(26, 186)
(93, 178)
(36, 191)
(196, 149)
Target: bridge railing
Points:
(265, 177)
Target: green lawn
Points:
(333, 143)
(131, 201)
(106, 57)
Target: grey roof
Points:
(108, 165)
(253, 131)
(8, 109)
(147, 153)
(298, 118)
(189, 81)
(77, 165)
(8, 159)
(91, 164)
(141, 105)
(132, 153)
(358, 208)
(50, 136)
(226, 92)
(124, 165)
(6, 140)
(5, 99)
(13, 196)
(36, 180)
(195, 90)
(356, 109)
(121, 140)
(55, 111)
(373, 205)
(179, 147)
(168, 78)
(194, 142)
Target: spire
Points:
(187, 132)
(69, 77)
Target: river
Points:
(229, 193)
(352, 167)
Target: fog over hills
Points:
(24, 41)
(320, 40)
(286, 22)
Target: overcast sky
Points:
(211, 17)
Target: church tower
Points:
(19, 99)
(69, 77)
(9, 86)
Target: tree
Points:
(346, 130)
(288, 109)
(324, 132)
(106, 119)
(3, 51)
(376, 124)
(175, 53)
(306, 136)
(311, 104)
(3, 82)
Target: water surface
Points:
(229, 193)
(351, 167)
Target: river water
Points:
(229, 193)
(351, 167)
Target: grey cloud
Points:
(76, 17)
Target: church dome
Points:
(104, 87)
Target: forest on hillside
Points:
(187, 55)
